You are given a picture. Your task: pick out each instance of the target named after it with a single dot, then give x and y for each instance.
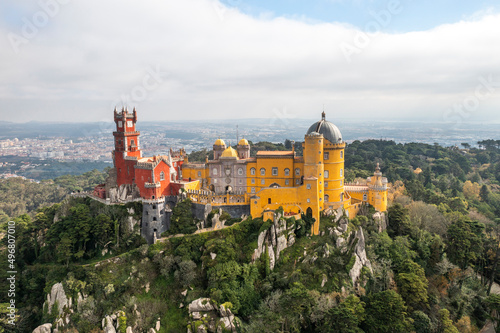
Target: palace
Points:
(306, 184)
(236, 182)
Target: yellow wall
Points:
(193, 171)
(268, 179)
(336, 172)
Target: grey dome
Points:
(329, 130)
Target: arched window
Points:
(297, 171)
(327, 197)
(341, 172)
(214, 171)
(162, 175)
(327, 174)
(341, 154)
(262, 172)
(252, 171)
(240, 171)
(287, 172)
(132, 142)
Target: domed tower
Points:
(332, 161)
(219, 147)
(243, 149)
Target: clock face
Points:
(228, 171)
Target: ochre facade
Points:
(308, 184)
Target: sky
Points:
(409, 60)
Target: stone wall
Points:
(201, 211)
(155, 220)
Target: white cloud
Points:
(222, 63)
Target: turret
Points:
(243, 149)
(219, 147)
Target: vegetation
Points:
(432, 269)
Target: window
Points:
(162, 175)
(154, 218)
(297, 171)
(297, 181)
(240, 182)
(308, 186)
(252, 171)
(326, 184)
(341, 154)
(129, 123)
(327, 174)
(199, 173)
(327, 197)
(240, 171)
(132, 142)
(215, 181)
(341, 172)
(287, 172)
(262, 172)
(287, 182)
(327, 155)
(253, 189)
(275, 171)
(365, 197)
(308, 200)
(268, 200)
(262, 181)
(120, 124)
(253, 181)
(154, 206)
(214, 171)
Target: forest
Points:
(433, 267)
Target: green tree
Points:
(399, 220)
(386, 312)
(346, 317)
(421, 322)
(464, 242)
(445, 323)
(412, 284)
(182, 221)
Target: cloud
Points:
(217, 62)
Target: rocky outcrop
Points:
(57, 296)
(207, 317)
(275, 239)
(108, 324)
(45, 328)
(360, 257)
(380, 220)
(201, 305)
(123, 193)
(131, 222)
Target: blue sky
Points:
(75, 61)
(416, 15)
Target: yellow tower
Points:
(377, 190)
(312, 198)
(333, 195)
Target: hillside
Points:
(425, 266)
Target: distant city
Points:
(94, 141)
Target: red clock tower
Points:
(127, 150)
